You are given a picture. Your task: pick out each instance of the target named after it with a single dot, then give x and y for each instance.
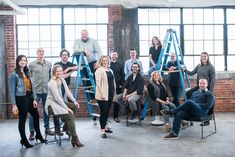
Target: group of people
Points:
(117, 84)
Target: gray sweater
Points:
(206, 71)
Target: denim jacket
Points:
(17, 87)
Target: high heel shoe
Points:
(39, 137)
(75, 142)
(25, 143)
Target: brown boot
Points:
(75, 141)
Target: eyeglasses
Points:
(40, 50)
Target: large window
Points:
(57, 28)
(203, 29)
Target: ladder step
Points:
(170, 71)
(95, 114)
(92, 103)
(85, 86)
(86, 79)
(89, 91)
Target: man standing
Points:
(133, 89)
(198, 106)
(68, 67)
(129, 62)
(92, 51)
(40, 71)
(119, 75)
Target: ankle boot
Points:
(40, 138)
(25, 143)
(75, 141)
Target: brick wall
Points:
(224, 90)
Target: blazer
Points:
(55, 99)
(102, 81)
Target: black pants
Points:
(25, 105)
(176, 92)
(104, 112)
(115, 104)
(190, 92)
(88, 82)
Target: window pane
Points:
(23, 52)
(23, 33)
(145, 63)
(218, 16)
(102, 32)
(44, 15)
(231, 60)
(198, 47)
(80, 15)
(33, 48)
(33, 16)
(175, 16)
(142, 14)
(55, 33)
(45, 33)
(198, 32)
(219, 63)
(188, 47)
(144, 48)
(70, 32)
(188, 32)
(153, 31)
(33, 33)
(92, 29)
(187, 16)
(103, 46)
(209, 46)
(143, 33)
(55, 16)
(164, 16)
(218, 32)
(189, 62)
(208, 32)
(22, 19)
(68, 15)
(208, 16)
(230, 16)
(197, 16)
(102, 15)
(78, 30)
(163, 30)
(23, 45)
(154, 16)
(231, 47)
(55, 48)
(91, 15)
(231, 31)
(219, 47)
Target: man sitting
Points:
(198, 106)
(133, 89)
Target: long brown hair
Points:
(208, 60)
(17, 67)
(159, 41)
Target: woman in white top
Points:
(55, 103)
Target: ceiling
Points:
(131, 3)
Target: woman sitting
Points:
(158, 93)
(55, 103)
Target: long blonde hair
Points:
(53, 76)
(152, 76)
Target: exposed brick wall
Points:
(8, 21)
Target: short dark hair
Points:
(64, 50)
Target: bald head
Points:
(84, 35)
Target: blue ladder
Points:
(80, 58)
(171, 38)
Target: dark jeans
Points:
(116, 105)
(25, 105)
(104, 112)
(188, 109)
(176, 92)
(190, 92)
(45, 116)
(88, 82)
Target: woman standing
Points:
(58, 92)
(204, 70)
(158, 93)
(105, 92)
(154, 53)
(23, 99)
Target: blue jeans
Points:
(45, 116)
(171, 107)
(188, 109)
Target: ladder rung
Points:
(86, 79)
(86, 86)
(95, 104)
(89, 91)
(95, 114)
(170, 71)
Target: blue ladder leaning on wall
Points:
(82, 62)
(169, 40)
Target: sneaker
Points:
(157, 121)
(167, 113)
(31, 136)
(108, 131)
(171, 136)
(93, 101)
(103, 135)
(206, 123)
(49, 132)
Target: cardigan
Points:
(55, 99)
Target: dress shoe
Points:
(31, 136)
(206, 123)
(116, 119)
(109, 131)
(25, 143)
(103, 135)
(49, 132)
